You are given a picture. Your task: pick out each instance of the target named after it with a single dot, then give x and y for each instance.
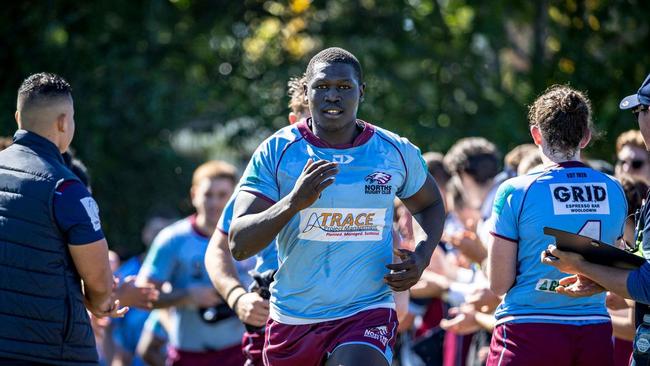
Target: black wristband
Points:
(231, 290)
(234, 304)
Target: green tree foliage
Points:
(437, 70)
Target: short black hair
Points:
(41, 87)
(475, 156)
(334, 55)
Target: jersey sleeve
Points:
(504, 213)
(76, 213)
(416, 170)
(226, 217)
(638, 284)
(259, 176)
(160, 261)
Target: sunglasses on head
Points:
(635, 164)
(640, 108)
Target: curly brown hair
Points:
(563, 116)
(296, 95)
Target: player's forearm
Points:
(485, 320)
(98, 298)
(220, 266)
(612, 279)
(623, 326)
(251, 233)
(432, 221)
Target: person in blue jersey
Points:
(325, 187)
(250, 306)
(631, 284)
(203, 330)
(536, 325)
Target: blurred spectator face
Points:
(209, 197)
(633, 160)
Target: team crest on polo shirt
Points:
(92, 210)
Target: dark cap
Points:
(641, 97)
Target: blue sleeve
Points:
(160, 262)
(76, 213)
(259, 176)
(638, 284)
(416, 170)
(226, 217)
(504, 213)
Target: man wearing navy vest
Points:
(50, 238)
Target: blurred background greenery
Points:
(160, 86)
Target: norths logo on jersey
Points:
(580, 198)
(378, 183)
(342, 224)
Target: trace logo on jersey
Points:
(377, 333)
(580, 198)
(378, 183)
(344, 224)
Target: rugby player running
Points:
(325, 188)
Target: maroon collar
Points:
(196, 229)
(364, 136)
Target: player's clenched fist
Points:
(315, 177)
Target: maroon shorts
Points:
(252, 344)
(533, 344)
(230, 356)
(311, 344)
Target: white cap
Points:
(646, 318)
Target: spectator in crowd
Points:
(152, 343)
(437, 169)
(515, 156)
(203, 329)
(631, 155)
(126, 331)
(578, 331)
(51, 237)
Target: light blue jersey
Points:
(570, 197)
(332, 255)
(265, 260)
(177, 256)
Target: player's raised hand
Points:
(315, 177)
(407, 273)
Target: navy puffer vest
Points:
(42, 315)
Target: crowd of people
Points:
(339, 244)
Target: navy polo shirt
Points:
(77, 214)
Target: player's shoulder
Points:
(172, 233)
(520, 184)
(281, 138)
(402, 144)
